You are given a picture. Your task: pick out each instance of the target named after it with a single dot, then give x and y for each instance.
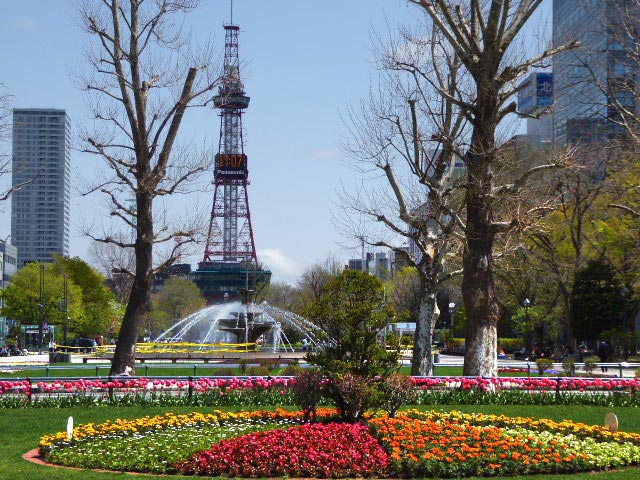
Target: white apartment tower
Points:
(42, 162)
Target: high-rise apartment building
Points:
(42, 162)
(585, 77)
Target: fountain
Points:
(242, 323)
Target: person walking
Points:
(603, 352)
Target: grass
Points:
(21, 431)
(73, 370)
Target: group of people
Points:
(11, 351)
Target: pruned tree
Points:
(412, 136)
(482, 35)
(142, 78)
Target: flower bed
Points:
(277, 443)
(453, 444)
(312, 450)
(277, 391)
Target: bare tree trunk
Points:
(140, 298)
(478, 284)
(422, 360)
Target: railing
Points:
(621, 369)
(557, 367)
(35, 389)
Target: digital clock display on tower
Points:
(231, 164)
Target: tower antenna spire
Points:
(231, 2)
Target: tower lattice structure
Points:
(230, 236)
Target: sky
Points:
(305, 61)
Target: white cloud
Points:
(283, 268)
(25, 24)
(325, 154)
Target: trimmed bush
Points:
(569, 366)
(396, 390)
(543, 365)
(258, 371)
(308, 389)
(590, 363)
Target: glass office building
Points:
(585, 77)
(42, 164)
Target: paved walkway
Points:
(35, 358)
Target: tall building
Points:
(376, 264)
(42, 163)
(8, 267)
(582, 112)
(535, 98)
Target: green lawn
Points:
(74, 370)
(21, 430)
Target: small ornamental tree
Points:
(308, 389)
(351, 309)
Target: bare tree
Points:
(117, 265)
(412, 135)
(313, 278)
(5, 125)
(141, 81)
(482, 35)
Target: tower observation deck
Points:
(230, 261)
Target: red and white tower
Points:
(230, 237)
(230, 264)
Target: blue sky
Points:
(306, 61)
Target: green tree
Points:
(351, 309)
(21, 298)
(597, 299)
(100, 309)
(178, 298)
(91, 307)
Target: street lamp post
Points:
(41, 306)
(452, 308)
(66, 311)
(526, 304)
